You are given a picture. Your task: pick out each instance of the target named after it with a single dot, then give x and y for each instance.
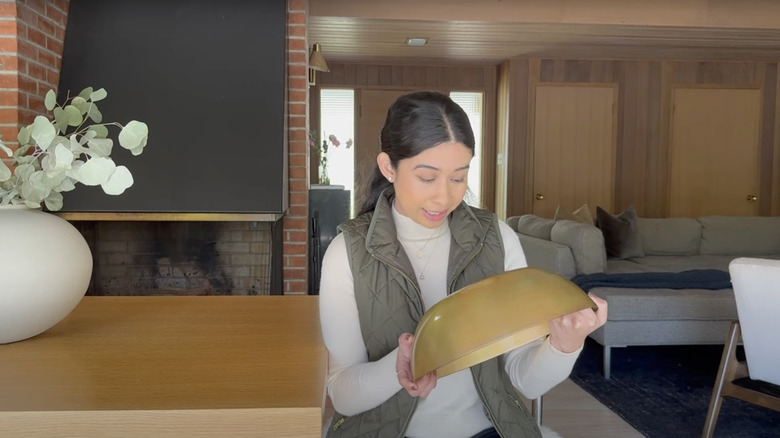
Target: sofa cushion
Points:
(534, 226)
(668, 263)
(581, 214)
(668, 304)
(743, 236)
(586, 243)
(621, 233)
(669, 236)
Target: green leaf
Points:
(73, 115)
(23, 171)
(43, 132)
(54, 201)
(119, 181)
(100, 147)
(100, 131)
(95, 114)
(5, 172)
(53, 181)
(75, 167)
(63, 158)
(6, 149)
(85, 93)
(80, 103)
(76, 145)
(47, 163)
(134, 135)
(60, 120)
(66, 185)
(8, 196)
(98, 95)
(60, 116)
(59, 140)
(21, 152)
(34, 190)
(96, 171)
(26, 159)
(51, 100)
(24, 136)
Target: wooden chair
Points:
(757, 291)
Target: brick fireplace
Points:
(169, 257)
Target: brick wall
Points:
(31, 40)
(296, 221)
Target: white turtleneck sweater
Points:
(453, 409)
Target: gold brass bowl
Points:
(491, 317)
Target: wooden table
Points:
(212, 366)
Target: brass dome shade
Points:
(491, 317)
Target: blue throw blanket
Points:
(693, 279)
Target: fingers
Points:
(424, 385)
(420, 388)
(601, 312)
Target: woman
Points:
(414, 242)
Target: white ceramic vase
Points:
(45, 268)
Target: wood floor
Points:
(572, 413)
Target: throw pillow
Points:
(585, 242)
(621, 233)
(581, 214)
(535, 226)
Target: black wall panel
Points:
(209, 78)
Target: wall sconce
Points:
(316, 63)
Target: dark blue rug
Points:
(664, 392)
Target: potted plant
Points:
(46, 263)
(51, 160)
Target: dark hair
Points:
(416, 122)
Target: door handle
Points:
(752, 198)
(539, 196)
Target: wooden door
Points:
(371, 115)
(714, 152)
(574, 137)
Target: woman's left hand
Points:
(403, 367)
(568, 333)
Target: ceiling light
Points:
(416, 42)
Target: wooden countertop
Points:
(170, 366)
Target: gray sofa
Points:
(653, 316)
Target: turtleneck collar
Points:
(410, 230)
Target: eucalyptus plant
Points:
(54, 155)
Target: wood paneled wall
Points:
(444, 78)
(642, 173)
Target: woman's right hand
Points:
(403, 367)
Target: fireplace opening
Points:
(179, 257)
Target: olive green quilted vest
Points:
(389, 304)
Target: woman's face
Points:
(430, 185)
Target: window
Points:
(471, 102)
(337, 119)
